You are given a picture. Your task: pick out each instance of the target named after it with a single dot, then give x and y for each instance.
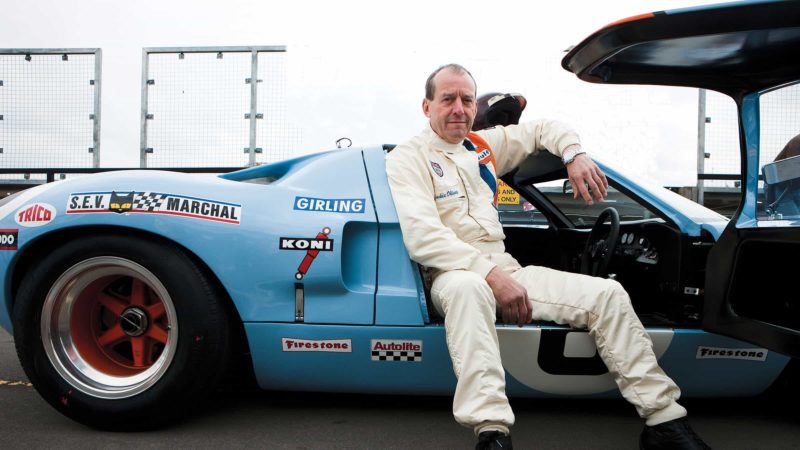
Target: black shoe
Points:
(494, 440)
(675, 434)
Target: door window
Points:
(559, 192)
(779, 160)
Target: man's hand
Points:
(584, 172)
(511, 296)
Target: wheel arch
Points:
(39, 248)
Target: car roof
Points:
(735, 48)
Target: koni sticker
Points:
(8, 239)
(321, 243)
(317, 345)
(134, 202)
(35, 215)
(396, 350)
(335, 205)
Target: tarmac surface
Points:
(303, 421)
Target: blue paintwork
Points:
(751, 124)
(401, 298)
(690, 217)
(366, 288)
(357, 372)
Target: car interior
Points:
(662, 269)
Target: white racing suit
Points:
(451, 227)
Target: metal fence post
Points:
(98, 70)
(253, 106)
(701, 143)
(143, 113)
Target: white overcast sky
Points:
(356, 69)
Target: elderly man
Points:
(443, 184)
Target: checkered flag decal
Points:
(148, 201)
(389, 355)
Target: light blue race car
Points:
(130, 293)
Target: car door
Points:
(753, 280)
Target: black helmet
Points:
(496, 109)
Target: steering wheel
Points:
(600, 246)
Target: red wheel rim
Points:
(109, 327)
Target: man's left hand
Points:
(587, 179)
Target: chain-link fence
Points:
(719, 152)
(49, 109)
(214, 107)
(779, 121)
(721, 156)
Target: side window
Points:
(515, 210)
(583, 215)
(779, 157)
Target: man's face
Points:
(453, 108)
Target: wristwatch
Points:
(570, 153)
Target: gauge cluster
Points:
(636, 246)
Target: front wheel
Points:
(120, 332)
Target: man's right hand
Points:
(511, 297)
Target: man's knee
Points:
(613, 297)
(463, 289)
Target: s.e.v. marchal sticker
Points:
(153, 203)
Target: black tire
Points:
(140, 367)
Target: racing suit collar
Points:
(436, 142)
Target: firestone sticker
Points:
(748, 354)
(35, 215)
(8, 239)
(396, 350)
(321, 345)
(153, 203)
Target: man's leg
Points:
(604, 308)
(468, 306)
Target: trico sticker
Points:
(8, 239)
(320, 345)
(334, 205)
(748, 354)
(35, 215)
(396, 350)
(153, 203)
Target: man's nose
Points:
(458, 107)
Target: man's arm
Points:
(512, 144)
(428, 241)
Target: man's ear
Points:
(426, 107)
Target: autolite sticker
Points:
(323, 345)
(153, 203)
(8, 239)
(749, 354)
(312, 246)
(396, 350)
(35, 215)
